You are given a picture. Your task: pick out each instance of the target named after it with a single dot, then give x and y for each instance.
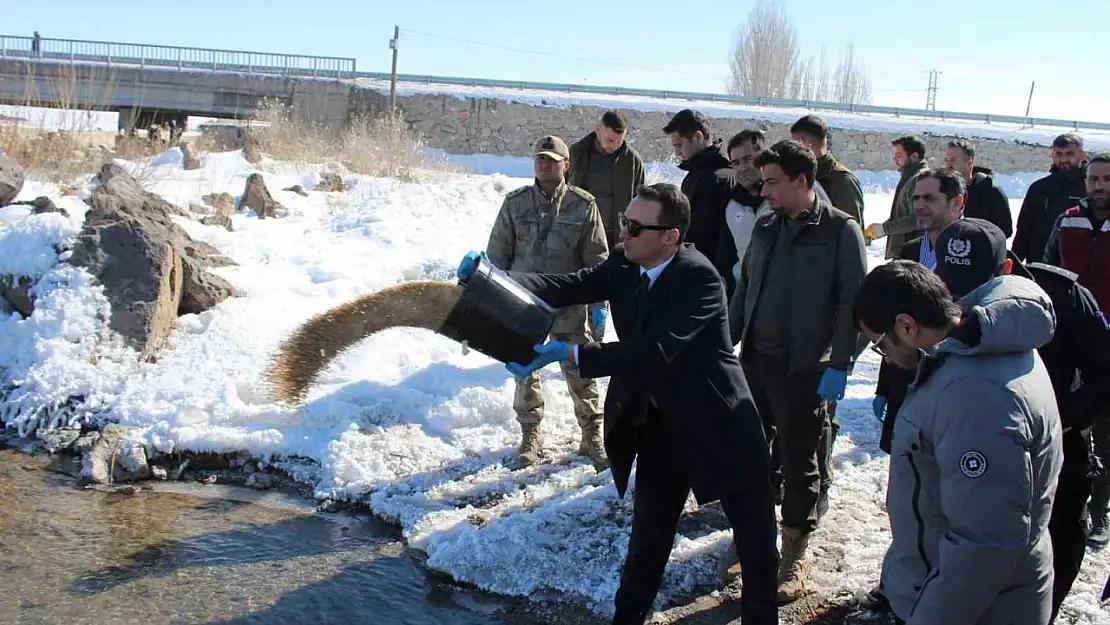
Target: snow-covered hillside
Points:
(406, 420)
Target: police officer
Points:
(1078, 362)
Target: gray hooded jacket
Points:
(974, 461)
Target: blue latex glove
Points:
(552, 351)
(833, 384)
(598, 315)
(469, 265)
(878, 405)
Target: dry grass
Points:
(382, 147)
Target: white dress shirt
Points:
(652, 274)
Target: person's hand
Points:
(874, 231)
(598, 315)
(469, 265)
(878, 406)
(552, 351)
(833, 384)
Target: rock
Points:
(191, 160)
(58, 439)
(298, 189)
(220, 201)
(11, 178)
(222, 216)
(201, 209)
(115, 457)
(158, 472)
(330, 182)
(136, 251)
(252, 151)
(43, 204)
(14, 290)
(202, 290)
(261, 481)
(208, 479)
(257, 197)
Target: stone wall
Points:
(502, 127)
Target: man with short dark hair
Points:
(985, 200)
(552, 226)
(1078, 362)
(1080, 243)
(608, 168)
(976, 448)
(839, 182)
(678, 403)
(708, 178)
(909, 157)
(939, 196)
(1047, 197)
(791, 316)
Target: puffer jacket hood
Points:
(1014, 315)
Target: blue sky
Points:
(988, 50)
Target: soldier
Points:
(553, 227)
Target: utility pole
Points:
(393, 45)
(1029, 104)
(931, 92)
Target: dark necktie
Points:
(641, 298)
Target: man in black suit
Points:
(677, 400)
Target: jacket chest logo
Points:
(973, 464)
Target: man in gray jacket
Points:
(976, 450)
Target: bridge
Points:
(152, 84)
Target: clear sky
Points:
(989, 51)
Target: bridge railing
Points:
(174, 57)
(895, 111)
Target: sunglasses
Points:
(635, 228)
(878, 349)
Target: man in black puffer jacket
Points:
(708, 183)
(1046, 198)
(985, 200)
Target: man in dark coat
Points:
(608, 168)
(1050, 196)
(792, 317)
(708, 180)
(678, 402)
(985, 200)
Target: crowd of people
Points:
(741, 302)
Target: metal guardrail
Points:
(174, 57)
(744, 100)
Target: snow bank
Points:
(404, 421)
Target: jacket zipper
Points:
(917, 513)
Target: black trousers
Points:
(1068, 525)
(662, 487)
(800, 427)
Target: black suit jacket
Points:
(676, 351)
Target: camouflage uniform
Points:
(558, 234)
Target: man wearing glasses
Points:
(678, 403)
(792, 316)
(553, 226)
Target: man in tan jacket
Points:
(553, 227)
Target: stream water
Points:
(194, 554)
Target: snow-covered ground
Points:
(1095, 139)
(406, 420)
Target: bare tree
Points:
(767, 62)
(765, 53)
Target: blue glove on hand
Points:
(552, 351)
(598, 315)
(878, 405)
(833, 384)
(469, 265)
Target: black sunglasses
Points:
(636, 228)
